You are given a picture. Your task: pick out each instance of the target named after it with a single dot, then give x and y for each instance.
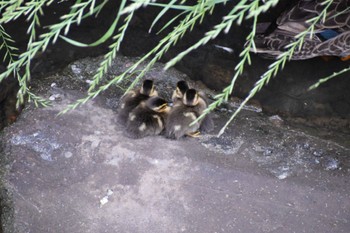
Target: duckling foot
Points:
(195, 134)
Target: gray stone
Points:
(79, 173)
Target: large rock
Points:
(79, 173)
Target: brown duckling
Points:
(182, 86)
(148, 118)
(183, 114)
(207, 123)
(133, 98)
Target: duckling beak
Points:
(178, 93)
(167, 109)
(164, 108)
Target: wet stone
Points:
(55, 97)
(68, 154)
(268, 152)
(276, 120)
(331, 164)
(75, 69)
(318, 153)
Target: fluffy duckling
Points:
(133, 98)
(183, 114)
(182, 86)
(207, 124)
(148, 118)
(179, 92)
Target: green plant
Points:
(188, 16)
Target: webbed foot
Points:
(195, 134)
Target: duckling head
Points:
(191, 98)
(148, 88)
(181, 89)
(158, 104)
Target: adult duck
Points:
(330, 37)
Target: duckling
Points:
(207, 124)
(179, 92)
(183, 114)
(148, 118)
(182, 86)
(133, 98)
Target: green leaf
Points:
(103, 38)
(161, 13)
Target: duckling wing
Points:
(144, 122)
(129, 102)
(207, 124)
(178, 122)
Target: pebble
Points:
(68, 154)
(283, 175)
(104, 201)
(317, 153)
(55, 97)
(267, 152)
(276, 120)
(75, 69)
(332, 164)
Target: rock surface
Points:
(79, 173)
